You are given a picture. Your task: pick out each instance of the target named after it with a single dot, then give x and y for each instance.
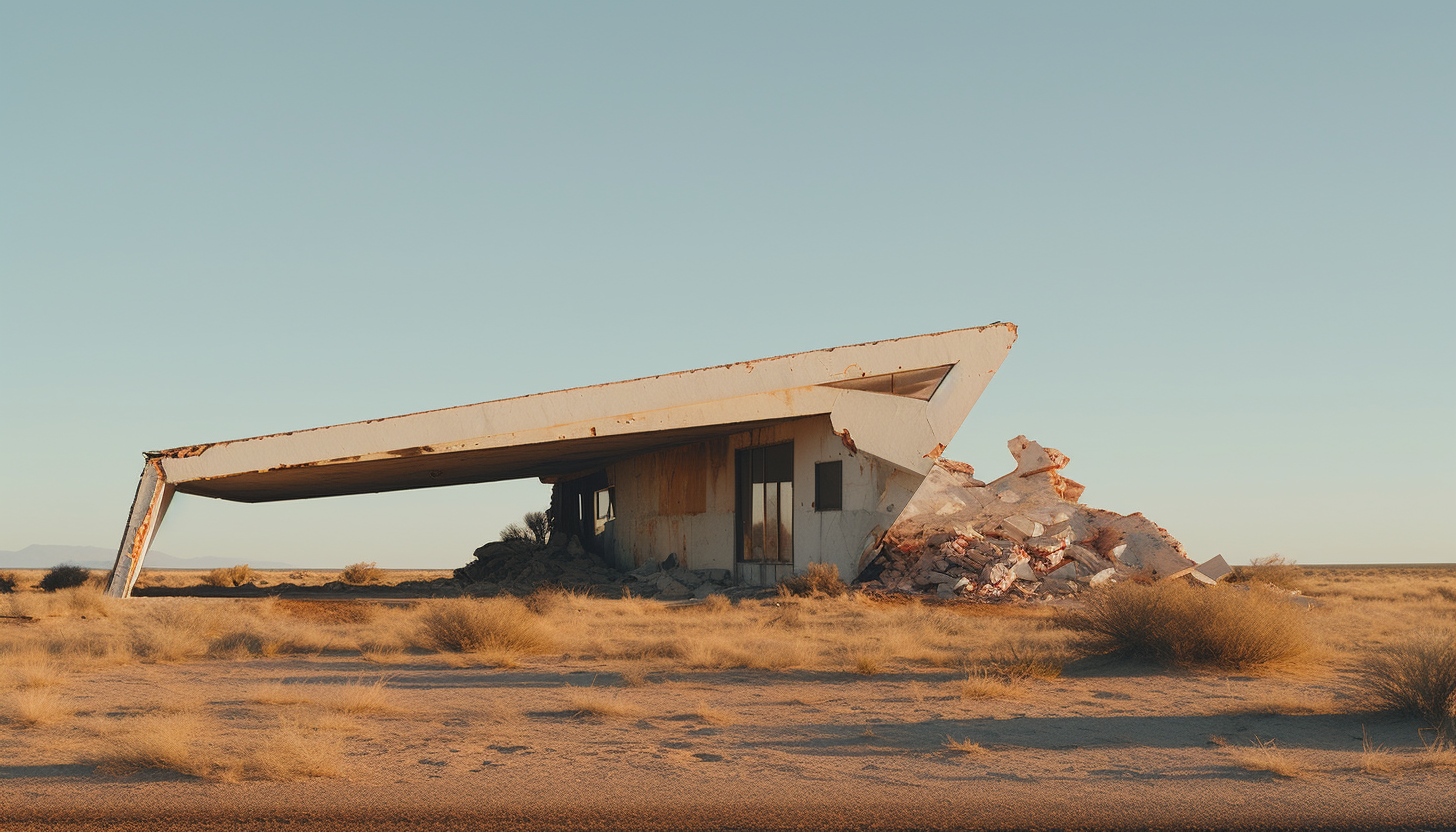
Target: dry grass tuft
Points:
(289, 752)
(1266, 756)
(32, 670)
(819, 579)
(467, 625)
(634, 677)
(151, 743)
(327, 612)
(1416, 676)
(866, 662)
(1374, 759)
(277, 693)
(1437, 754)
(362, 573)
(230, 576)
(712, 715)
(1185, 626)
(283, 753)
(385, 655)
(359, 698)
(588, 702)
(980, 684)
(1022, 663)
(35, 707)
(964, 746)
(715, 603)
(1285, 704)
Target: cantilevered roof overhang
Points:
(901, 400)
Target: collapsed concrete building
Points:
(1024, 534)
(758, 467)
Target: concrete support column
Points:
(153, 494)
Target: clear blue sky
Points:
(1227, 232)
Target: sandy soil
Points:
(1105, 745)
(28, 579)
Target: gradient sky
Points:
(1226, 231)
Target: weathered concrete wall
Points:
(682, 500)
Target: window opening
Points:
(829, 486)
(766, 503)
(605, 500)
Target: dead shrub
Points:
(230, 576)
(535, 527)
(1274, 570)
(1416, 677)
(817, 579)
(1184, 626)
(468, 625)
(362, 573)
(64, 577)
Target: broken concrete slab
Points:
(957, 527)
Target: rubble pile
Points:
(517, 567)
(1022, 535)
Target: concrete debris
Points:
(518, 567)
(1023, 535)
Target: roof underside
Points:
(415, 470)
(903, 399)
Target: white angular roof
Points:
(900, 399)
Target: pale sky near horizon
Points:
(1226, 231)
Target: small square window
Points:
(829, 486)
(606, 504)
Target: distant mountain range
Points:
(41, 556)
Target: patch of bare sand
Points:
(1102, 746)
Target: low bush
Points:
(817, 579)
(361, 573)
(231, 576)
(64, 577)
(535, 528)
(1416, 677)
(7, 582)
(1181, 625)
(1274, 570)
(466, 625)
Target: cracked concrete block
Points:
(1019, 527)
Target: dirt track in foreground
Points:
(811, 747)
(488, 748)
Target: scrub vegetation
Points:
(291, 688)
(1231, 628)
(231, 576)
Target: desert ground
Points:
(568, 711)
